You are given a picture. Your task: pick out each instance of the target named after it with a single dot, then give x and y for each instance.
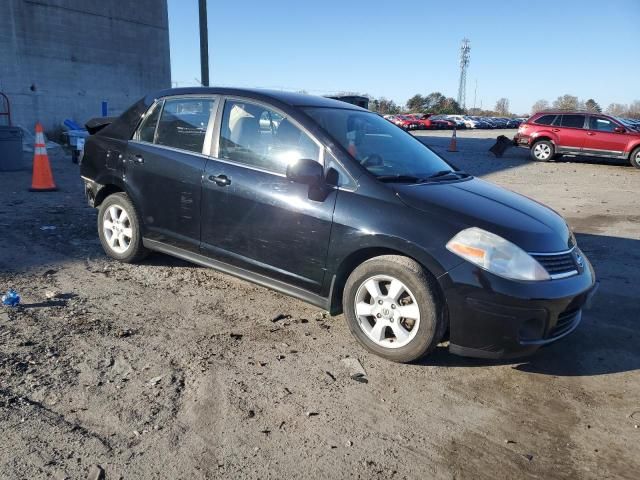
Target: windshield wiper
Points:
(441, 173)
(400, 178)
(444, 173)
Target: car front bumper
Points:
(492, 317)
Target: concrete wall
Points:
(61, 58)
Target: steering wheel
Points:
(372, 160)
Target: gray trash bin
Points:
(11, 157)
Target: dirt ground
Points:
(170, 370)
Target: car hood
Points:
(476, 203)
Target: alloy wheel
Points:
(542, 151)
(117, 229)
(387, 311)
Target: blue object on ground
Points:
(105, 108)
(71, 125)
(11, 298)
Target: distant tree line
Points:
(570, 102)
(437, 103)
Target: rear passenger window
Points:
(573, 121)
(147, 129)
(183, 123)
(545, 120)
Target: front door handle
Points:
(555, 129)
(220, 180)
(590, 133)
(139, 159)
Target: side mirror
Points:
(619, 130)
(306, 171)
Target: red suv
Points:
(578, 133)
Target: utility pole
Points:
(475, 94)
(204, 44)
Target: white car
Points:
(470, 122)
(458, 119)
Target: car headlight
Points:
(572, 238)
(497, 255)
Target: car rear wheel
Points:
(119, 229)
(634, 158)
(542, 151)
(393, 308)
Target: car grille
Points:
(558, 265)
(566, 321)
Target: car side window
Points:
(601, 124)
(257, 136)
(573, 121)
(183, 123)
(545, 120)
(336, 173)
(147, 129)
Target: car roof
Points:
(292, 99)
(569, 112)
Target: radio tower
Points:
(465, 54)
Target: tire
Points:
(125, 227)
(543, 151)
(398, 338)
(634, 158)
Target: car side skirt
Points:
(253, 277)
(591, 152)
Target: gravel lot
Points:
(169, 370)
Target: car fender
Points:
(633, 144)
(366, 245)
(544, 135)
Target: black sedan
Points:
(332, 204)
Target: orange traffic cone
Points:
(42, 180)
(453, 147)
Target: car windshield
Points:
(382, 148)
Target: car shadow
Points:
(158, 259)
(607, 341)
(473, 155)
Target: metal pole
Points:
(204, 44)
(475, 94)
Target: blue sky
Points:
(524, 51)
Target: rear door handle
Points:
(590, 133)
(138, 159)
(555, 129)
(220, 180)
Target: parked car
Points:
(441, 122)
(407, 122)
(471, 122)
(631, 123)
(339, 208)
(458, 120)
(481, 122)
(500, 122)
(514, 123)
(424, 120)
(548, 134)
(490, 122)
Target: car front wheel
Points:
(542, 151)
(634, 158)
(393, 308)
(119, 229)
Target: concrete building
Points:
(62, 58)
